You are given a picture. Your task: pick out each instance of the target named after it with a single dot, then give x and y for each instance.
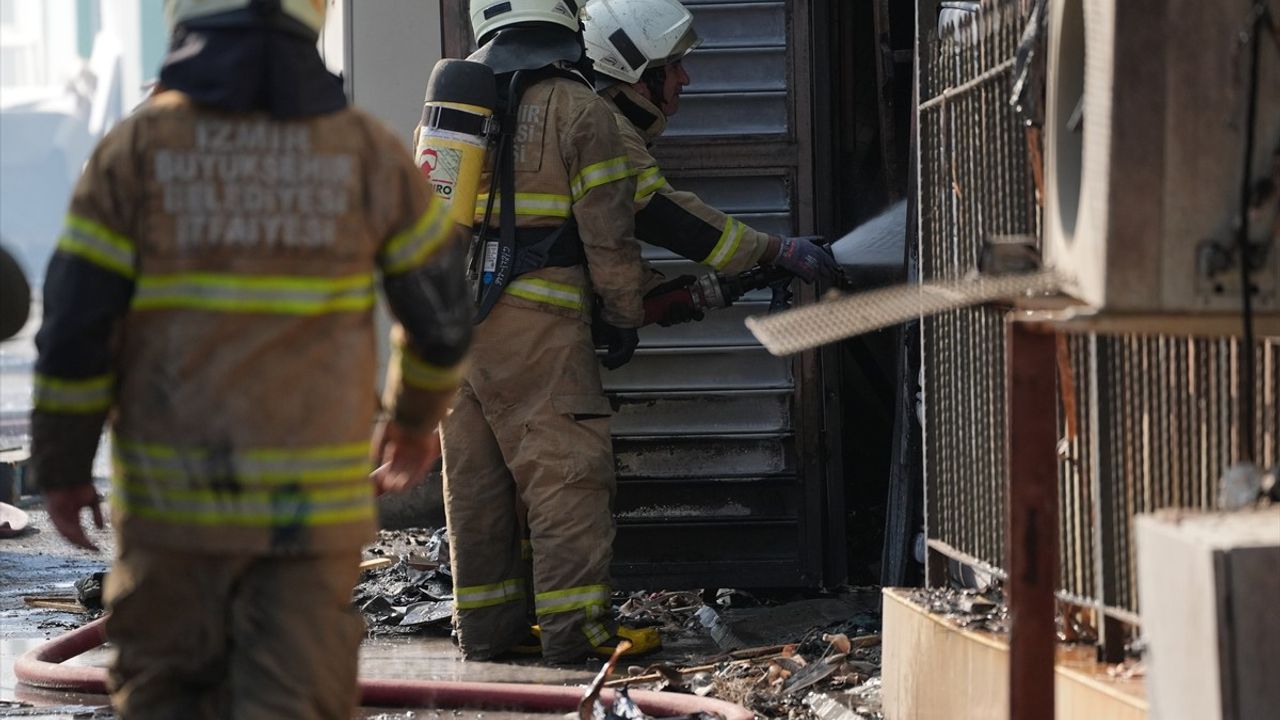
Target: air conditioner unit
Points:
(1144, 150)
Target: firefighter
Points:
(15, 296)
(638, 47)
(212, 297)
(528, 437)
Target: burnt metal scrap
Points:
(780, 680)
(415, 593)
(970, 609)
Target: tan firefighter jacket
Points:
(570, 162)
(213, 291)
(676, 220)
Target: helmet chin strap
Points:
(655, 81)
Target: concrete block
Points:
(1209, 588)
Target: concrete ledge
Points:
(934, 670)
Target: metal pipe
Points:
(965, 87)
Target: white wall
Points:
(37, 43)
(333, 39)
(122, 19)
(390, 50)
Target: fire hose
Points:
(42, 667)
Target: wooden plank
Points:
(376, 563)
(1032, 519)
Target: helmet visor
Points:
(687, 44)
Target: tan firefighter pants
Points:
(233, 636)
(530, 430)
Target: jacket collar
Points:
(644, 115)
(252, 69)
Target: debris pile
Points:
(773, 681)
(986, 611)
(971, 609)
(407, 586)
(669, 611)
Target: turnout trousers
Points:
(214, 637)
(527, 447)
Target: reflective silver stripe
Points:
(596, 633)
(98, 244)
(478, 596)
(601, 173)
(82, 396)
(338, 463)
(427, 376)
(416, 245)
(552, 293)
(578, 598)
(649, 182)
(724, 250)
(251, 293)
(537, 204)
(285, 506)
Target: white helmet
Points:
(310, 13)
(488, 16)
(626, 37)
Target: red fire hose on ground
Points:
(42, 667)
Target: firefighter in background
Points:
(637, 47)
(530, 427)
(15, 296)
(212, 296)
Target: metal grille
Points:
(739, 72)
(714, 486)
(1146, 422)
(974, 184)
(1154, 424)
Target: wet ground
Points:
(40, 564)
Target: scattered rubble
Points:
(669, 611)
(777, 680)
(985, 610)
(779, 659)
(971, 609)
(411, 590)
(89, 590)
(85, 601)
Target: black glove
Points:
(667, 305)
(621, 343)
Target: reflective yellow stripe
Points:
(285, 512)
(264, 467)
(545, 291)
(421, 374)
(278, 294)
(336, 495)
(730, 239)
(529, 204)
(84, 396)
(596, 633)
(413, 247)
(258, 487)
(649, 182)
(98, 244)
(576, 598)
(601, 173)
(479, 596)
